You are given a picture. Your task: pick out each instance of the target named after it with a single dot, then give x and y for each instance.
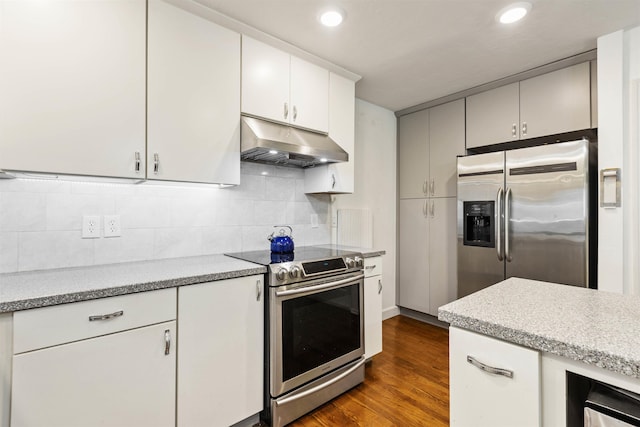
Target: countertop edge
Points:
(25, 304)
(589, 356)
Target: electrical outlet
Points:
(112, 226)
(91, 227)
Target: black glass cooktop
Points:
(300, 254)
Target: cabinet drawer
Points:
(45, 327)
(372, 266)
(479, 398)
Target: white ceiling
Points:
(413, 51)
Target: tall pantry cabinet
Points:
(429, 142)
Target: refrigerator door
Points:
(546, 213)
(479, 229)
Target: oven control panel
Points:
(291, 272)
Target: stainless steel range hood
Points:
(273, 143)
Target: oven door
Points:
(316, 327)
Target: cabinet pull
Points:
(156, 163)
(137, 166)
(524, 128)
(514, 130)
(167, 342)
(379, 286)
(432, 187)
(424, 209)
(286, 110)
(106, 316)
(370, 267)
(424, 187)
(490, 369)
(333, 181)
(295, 113)
(432, 209)
(258, 290)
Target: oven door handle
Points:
(319, 287)
(321, 386)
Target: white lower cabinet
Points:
(372, 306)
(121, 379)
(492, 383)
(220, 365)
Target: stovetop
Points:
(300, 254)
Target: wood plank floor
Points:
(405, 385)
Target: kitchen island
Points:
(544, 330)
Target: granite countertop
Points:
(21, 291)
(32, 289)
(366, 252)
(595, 327)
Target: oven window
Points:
(318, 328)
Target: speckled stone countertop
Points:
(21, 291)
(595, 327)
(366, 252)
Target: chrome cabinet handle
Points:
(167, 341)
(370, 267)
(490, 369)
(524, 128)
(137, 166)
(432, 187)
(424, 209)
(498, 215)
(258, 290)
(424, 187)
(333, 181)
(286, 110)
(295, 113)
(106, 316)
(432, 209)
(514, 130)
(379, 286)
(507, 218)
(294, 396)
(156, 163)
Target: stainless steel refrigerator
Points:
(527, 213)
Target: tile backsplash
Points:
(41, 220)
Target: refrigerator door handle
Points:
(498, 215)
(507, 218)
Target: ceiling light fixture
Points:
(514, 12)
(331, 17)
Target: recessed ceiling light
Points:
(514, 12)
(332, 17)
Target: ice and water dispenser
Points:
(479, 224)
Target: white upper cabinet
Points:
(72, 81)
(446, 142)
(193, 98)
(337, 177)
(281, 87)
(549, 104)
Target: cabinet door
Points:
(414, 255)
(265, 81)
(123, 379)
(482, 399)
(309, 95)
(446, 142)
(493, 116)
(193, 98)
(220, 367)
(73, 86)
(556, 102)
(443, 275)
(413, 152)
(337, 177)
(372, 316)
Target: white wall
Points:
(41, 220)
(619, 147)
(375, 187)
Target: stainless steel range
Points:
(314, 328)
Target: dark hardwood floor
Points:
(405, 385)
